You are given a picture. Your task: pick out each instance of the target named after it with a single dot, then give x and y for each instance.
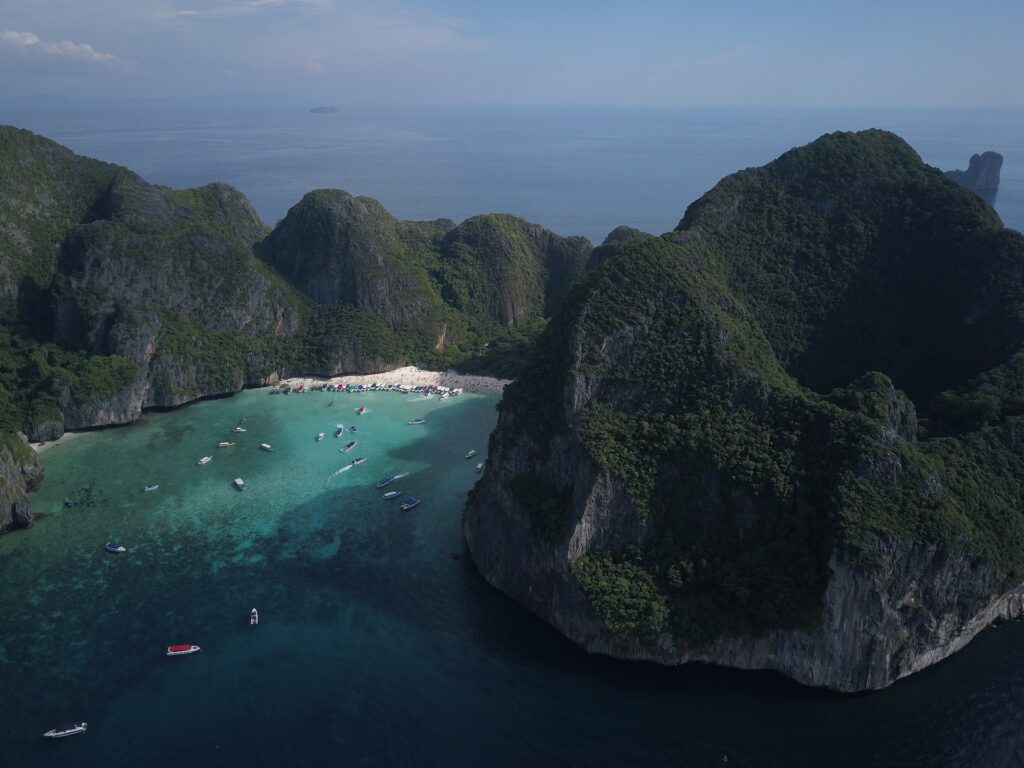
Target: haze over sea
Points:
(576, 171)
(376, 646)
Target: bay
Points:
(376, 646)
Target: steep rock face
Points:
(19, 473)
(982, 174)
(687, 471)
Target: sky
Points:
(518, 52)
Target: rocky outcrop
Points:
(19, 473)
(738, 443)
(982, 174)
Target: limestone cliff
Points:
(738, 443)
(19, 473)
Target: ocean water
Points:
(574, 170)
(378, 643)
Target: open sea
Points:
(378, 643)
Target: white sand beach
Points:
(411, 376)
(62, 440)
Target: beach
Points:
(62, 440)
(410, 376)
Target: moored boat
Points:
(319, 436)
(150, 488)
(349, 446)
(340, 430)
(72, 729)
(113, 546)
(266, 447)
(353, 428)
(392, 494)
(254, 617)
(417, 421)
(361, 410)
(410, 502)
(181, 650)
(386, 481)
(471, 454)
(239, 483)
(204, 460)
(357, 462)
(238, 429)
(224, 444)
(480, 467)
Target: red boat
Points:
(181, 650)
(362, 410)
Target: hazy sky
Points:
(732, 52)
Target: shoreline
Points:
(411, 376)
(66, 437)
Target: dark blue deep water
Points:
(377, 647)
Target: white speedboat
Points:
(417, 421)
(150, 488)
(411, 503)
(266, 447)
(113, 546)
(224, 444)
(205, 460)
(254, 617)
(471, 454)
(480, 467)
(319, 436)
(239, 483)
(357, 462)
(392, 494)
(72, 729)
(239, 429)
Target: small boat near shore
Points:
(113, 546)
(224, 444)
(239, 429)
(416, 421)
(340, 430)
(357, 462)
(480, 467)
(471, 454)
(204, 461)
(266, 447)
(72, 729)
(319, 436)
(410, 503)
(386, 481)
(361, 410)
(239, 483)
(254, 617)
(349, 446)
(392, 494)
(151, 488)
(353, 429)
(181, 650)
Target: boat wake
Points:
(399, 477)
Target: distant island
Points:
(982, 174)
(324, 110)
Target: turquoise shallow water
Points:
(376, 646)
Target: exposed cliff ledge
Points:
(982, 174)
(764, 441)
(19, 473)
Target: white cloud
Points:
(66, 48)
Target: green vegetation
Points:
(747, 377)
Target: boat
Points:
(417, 421)
(266, 447)
(480, 467)
(410, 503)
(319, 436)
(254, 617)
(181, 650)
(349, 446)
(113, 546)
(68, 501)
(353, 429)
(224, 445)
(361, 410)
(386, 481)
(151, 488)
(239, 483)
(66, 730)
(340, 430)
(471, 454)
(204, 460)
(357, 462)
(392, 494)
(239, 429)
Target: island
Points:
(982, 174)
